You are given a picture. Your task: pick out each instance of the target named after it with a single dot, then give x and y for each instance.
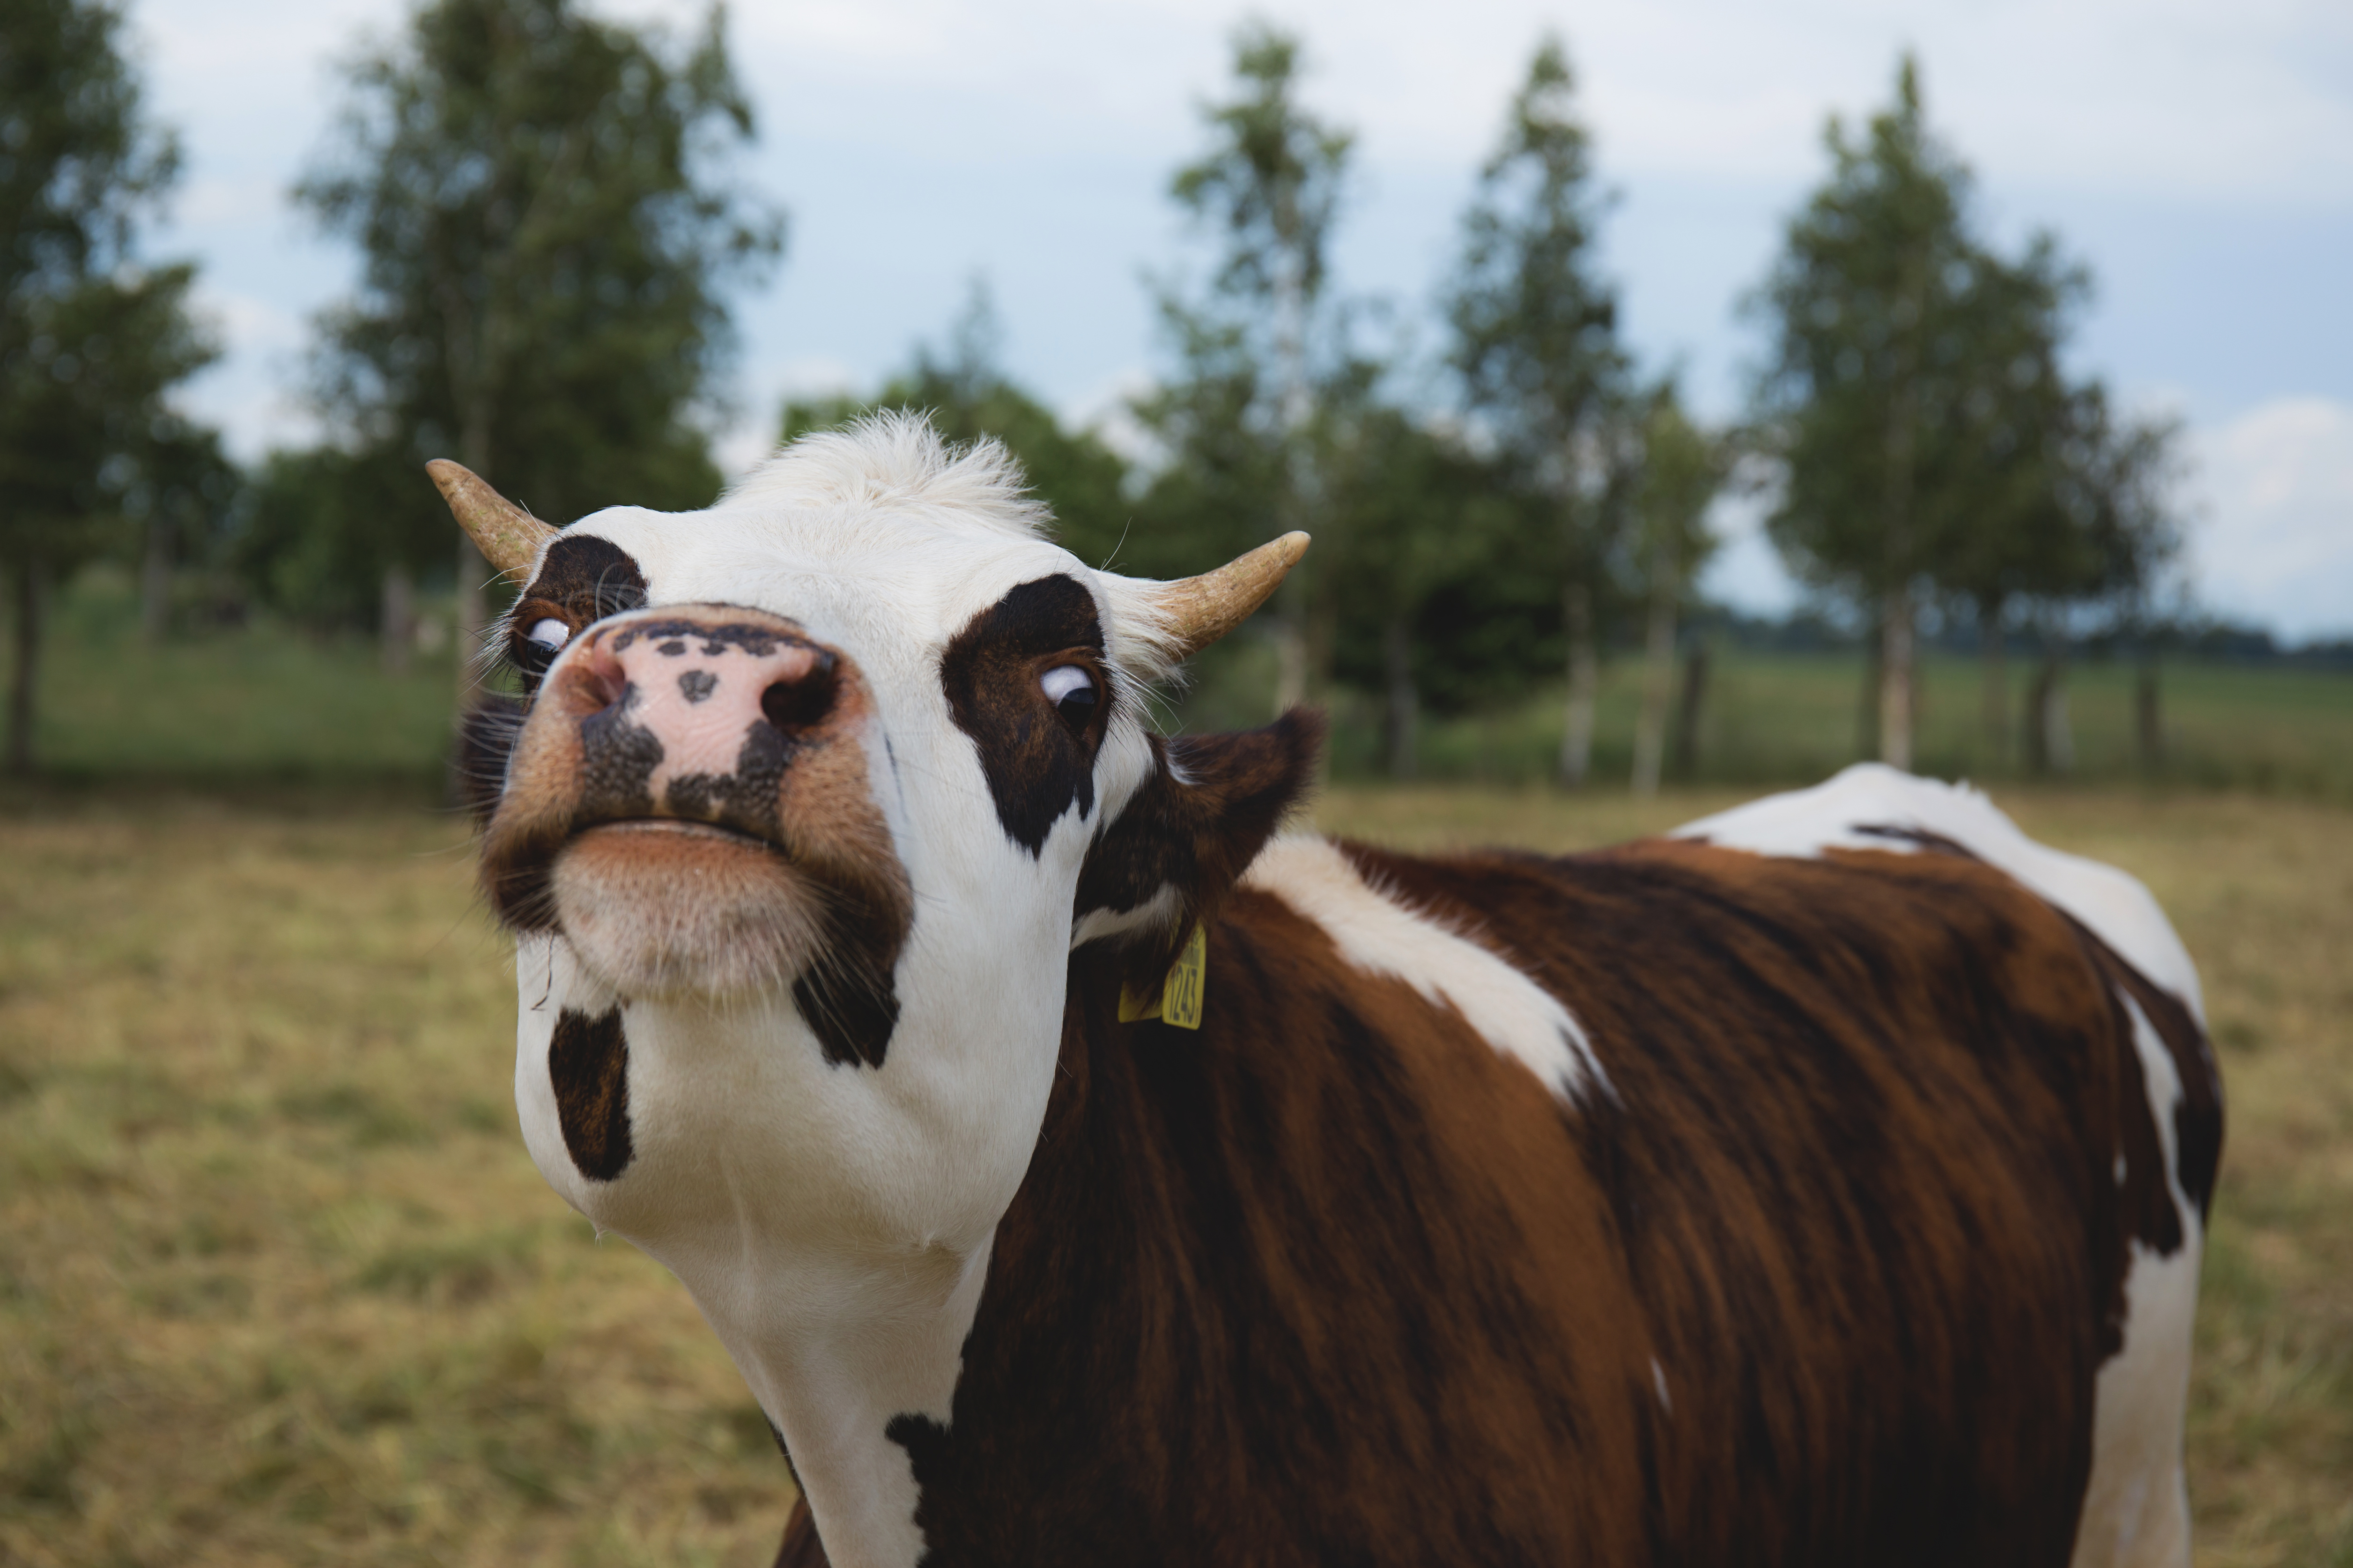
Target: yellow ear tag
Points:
(1179, 1002)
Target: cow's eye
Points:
(1071, 690)
(550, 633)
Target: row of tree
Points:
(549, 241)
(1537, 498)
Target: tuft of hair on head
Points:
(897, 458)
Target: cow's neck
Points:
(843, 1297)
(842, 1352)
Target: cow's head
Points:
(813, 797)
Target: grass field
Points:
(280, 1285)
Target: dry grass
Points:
(279, 1284)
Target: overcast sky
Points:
(2198, 156)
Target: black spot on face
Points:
(1038, 762)
(582, 580)
(697, 684)
(851, 998)
(617, 759)
(589, 1064)
(757, 640)
(744, 799)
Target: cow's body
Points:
(1825, 1185)
(1868, 1248)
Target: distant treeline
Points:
(1805, 630)
(551, 238)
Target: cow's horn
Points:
(1201, 610)
(509, 537)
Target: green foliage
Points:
(546, 242)
(1534, 326)
(1683, 469)
(1917, 399)
(1264, 362)
(1272, 180)
(968, 396)
(79, 167)
(89, 341)
(81, 413)
(311, 543)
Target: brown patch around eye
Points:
(1038, 764)
(582, 580)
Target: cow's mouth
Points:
(661, 905)
(680, 828)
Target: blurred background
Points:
(1684, 400)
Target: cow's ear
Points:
(1170, 859)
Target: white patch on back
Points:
(1835, 814)
(1375, 932)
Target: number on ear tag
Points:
(1179, 1002)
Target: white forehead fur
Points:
(946, 530)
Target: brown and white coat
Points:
(1825, 1184)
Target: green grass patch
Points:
(266, 707)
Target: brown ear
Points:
(1210, 805)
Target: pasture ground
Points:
(280, 1285)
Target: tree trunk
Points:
(1866, 722)
(396, 620)
(22, 682)
(1400, 713)
(1584, 684)
(1658, 680)
(1897, 569)
(2148, 719)
(1994, 706)
(1291, 643)
(155, 584)
(1684, 758)
(2049, 739)
(470, 614)
(1896, 680)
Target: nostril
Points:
(803, 700)
(594, 681)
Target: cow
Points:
(1083, 1165)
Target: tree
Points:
(1930, 439)
(2111, 536)
(1535, 343)
(1257, 347)
(1421, 520)
(181, 500)
(966, 394)
(2017, 535)
(1874, 308)
(1682, 469)
(90, 339)
(547, 244)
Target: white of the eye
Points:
(550, 633)
(1064, 679)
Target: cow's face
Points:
(814, 796)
